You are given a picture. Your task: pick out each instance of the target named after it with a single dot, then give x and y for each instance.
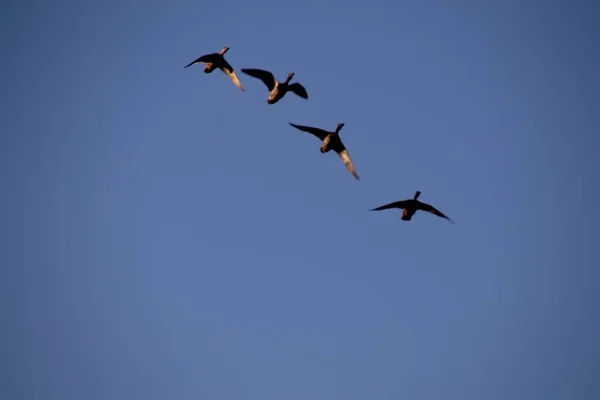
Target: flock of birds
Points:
(330, 139)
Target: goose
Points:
(217, 60)
(331, 141)
(276, 89)
(411, 206)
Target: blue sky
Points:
(165, 236)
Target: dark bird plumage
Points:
(411, 206)
(331, 141)
(217, 60)
(276, 89)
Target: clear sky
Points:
(166, 236)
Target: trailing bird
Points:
(331, 141)
(217, 60)
(411, 206)
(276, 89)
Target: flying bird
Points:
(411, 206)
(331, 141)
(217, 60)
(276, 89)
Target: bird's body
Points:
(411, 206)
(217, 61)
(331, 141)
(277, 89)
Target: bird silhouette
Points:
(331, 141)
(217, 60)
(411, 206)
(276, 89)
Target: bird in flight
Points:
(217, 60)
(411, 206)
(276, 89)
(331, 141)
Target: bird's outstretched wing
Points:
(395, 204)
(265, 76)
(345, 156)
(230, 72)
(299, 90)
(431, 209)
(320, 133)
(205, 58)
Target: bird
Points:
(277, 89)
(411, 206)
(331, 141)
(217, 60)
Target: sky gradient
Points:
(165, 236)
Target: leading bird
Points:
(411, 206)
(217, 60)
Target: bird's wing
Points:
(320, 133)
(345, 156)
(429, 208)
(395, 204)
(299, 90)
(230, 72)
(205, 58)
(265, 76)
